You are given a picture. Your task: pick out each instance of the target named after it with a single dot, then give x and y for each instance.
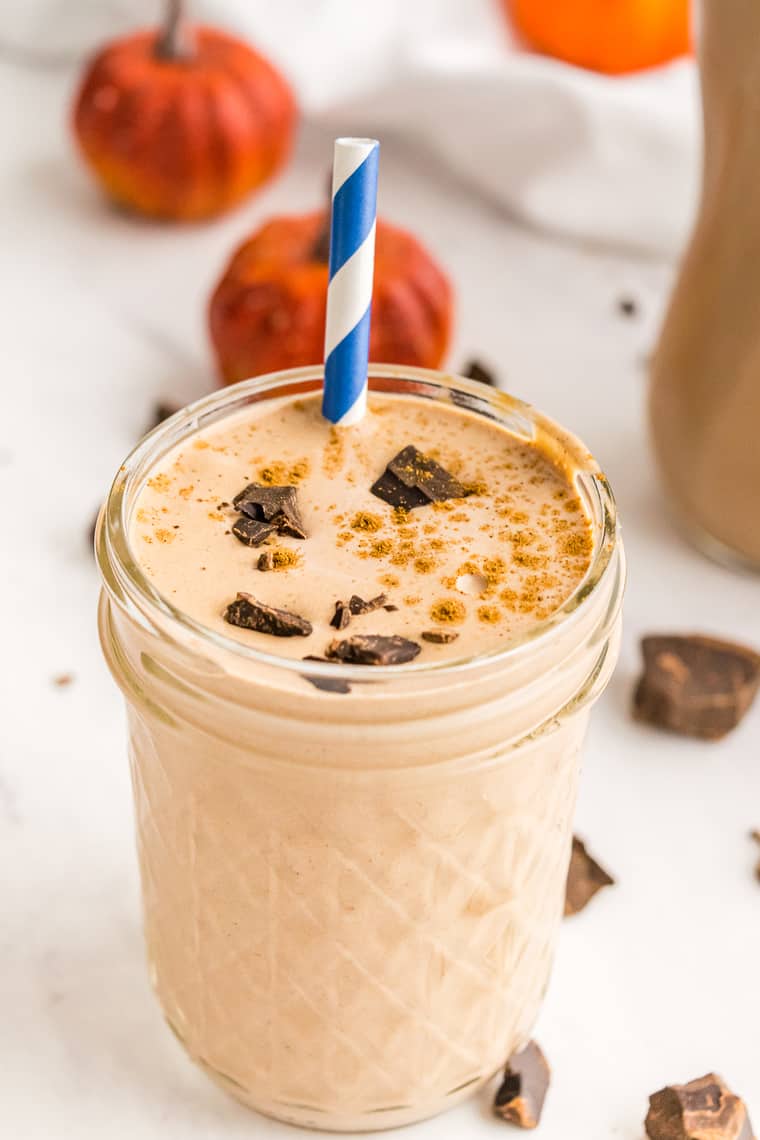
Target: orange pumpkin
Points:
(268, 310)
(182, 123)
(612, 36)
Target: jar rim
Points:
(130, 588)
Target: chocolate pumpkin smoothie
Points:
(359, 665)
(508, 543)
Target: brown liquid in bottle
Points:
(705, 395)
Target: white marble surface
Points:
(656, 982)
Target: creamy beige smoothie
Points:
(477, 568)
(353, 872)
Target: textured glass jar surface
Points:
(351, 899)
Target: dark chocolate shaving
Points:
(627, 307)
(697, 686)
(704, 1109)
(521, 1095)
(276, 505)
(474, 370)
(417, 470)
(358, 606)
(246, 613)
(439, 636)
(327, 684)
(584, 878)
(373, 649)
(341, 617)
(392, 490)
(265, 561)
(252, 532)
(412, 479)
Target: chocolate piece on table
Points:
(373, 649)
(265, 561)
(278, 505)
(521, 1095)
(342, 616)
(474, 370)
(756, 836)
(703, 1109)
(697, 686)
(160, 412)
(327, 684)
(246, 613)
(412, 479)
(358, 606)
(584, 878)
(252, 532)
(439, 636)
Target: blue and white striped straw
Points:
(349, 293)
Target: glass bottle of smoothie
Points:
(705, 392)
(354, 820)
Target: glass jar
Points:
(352, 898)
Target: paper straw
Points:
(349, 293)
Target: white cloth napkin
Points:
(612, 160)
(598, 159)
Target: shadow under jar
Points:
(351, 899)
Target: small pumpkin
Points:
(268, 310)
(182, 123)
(610, 36)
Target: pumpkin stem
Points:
(321, 251)
(175, 41)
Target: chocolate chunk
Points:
(411, 480)
(627, 307)
(392, 490)
(704, 1109)
(390, 609)
(246, 613)
(265, 561)
(584, 878)
(417, 470)
(520, 1099)
(439, 636)
(694, 685)
(372, 649)
(341, 617)
(327, 684)
(273, 504)
(358, 606)
(474, 370)
(252, 532)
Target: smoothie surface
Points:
(460, 575)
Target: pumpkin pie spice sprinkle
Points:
(471, 533)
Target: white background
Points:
(656, 982)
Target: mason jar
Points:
(353, 878)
